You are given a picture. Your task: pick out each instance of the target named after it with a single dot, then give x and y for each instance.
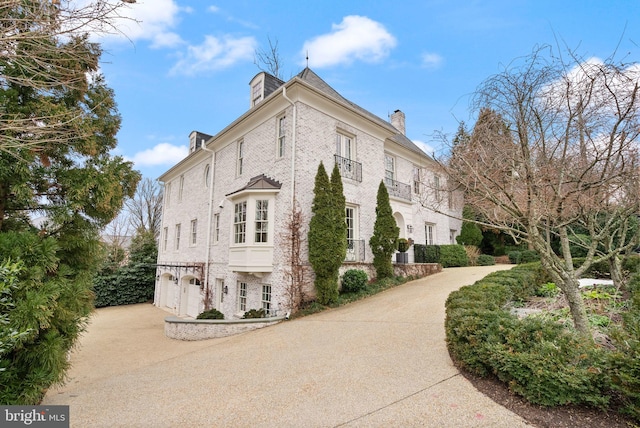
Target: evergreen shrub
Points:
(354, 280)
(419, 253)
(453, 256)
(211, 314)
(255, 313)
(486, 260)
(432, 253)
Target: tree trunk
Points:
(615, 267)
(570, 288)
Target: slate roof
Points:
(314, 80)
(260, 182)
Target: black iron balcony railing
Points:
(355, 250)
(397, 189)
(349, 168)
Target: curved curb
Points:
(189, 329)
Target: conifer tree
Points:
(327, 235)
(385, 235)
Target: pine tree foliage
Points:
(57, 130)
(385, 235)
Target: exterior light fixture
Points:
(225, 290)
(410, 228)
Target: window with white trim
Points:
(167, 195)
(389, 169)
(194, 232)
(207, 175)
(452, 236)
(266, 298)
(240, 158)
(165, 238)
(256, 93)
(344, 146)
(177, 240)
(429, 233)
(181, 188)
(216, 228)
(416, 179)
(281, 139)
(240, 222)
(242, 296)
(436, 187)
(262, 221)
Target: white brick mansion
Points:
(227, 204)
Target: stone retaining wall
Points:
(417, 270)
(189, 329)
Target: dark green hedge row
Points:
(129, 284)
(446, 255)
(540, 359)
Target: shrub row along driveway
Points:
(378, 362)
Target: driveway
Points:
(378, 362)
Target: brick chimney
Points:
(397, 120)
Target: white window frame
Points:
(436, 187)
(242, 296)
(194, 232)
(165, 238)
(181, 189)
(177, 236)
(256, 92)
(416, 180)
(240, 222)
(266, 298)
(430, 233)
(345, 146)
(216, 228)
(389, 168)
(281, 139)
(240, 158)
(452, 236)
(261, 221)
(167, 195)
(207, 175)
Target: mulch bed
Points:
(551, 417)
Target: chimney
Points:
(397, 120)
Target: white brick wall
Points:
(315, 142)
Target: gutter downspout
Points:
(293, 148)
(293, 160)
(209, 216)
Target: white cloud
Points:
(424, 147)
(214, 54)
(160, 154)
(431, 60)
(213, 9)
(150, 20)
(355, 38)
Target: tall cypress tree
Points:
(339, 206)
(385, 235)
(327, 234)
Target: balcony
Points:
(355, 250)
(397, 189)
(349, 168)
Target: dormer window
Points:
(256, 93)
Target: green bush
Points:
(536, 357)
(486, 260)
(432, 254)
(528, 256)
(419, 253)
(255, 313)
(211, 314)
(354, 280)
(453, 256)
(403, 245)
(514, 257)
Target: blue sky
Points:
(187, 64)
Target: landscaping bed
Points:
(514, 326)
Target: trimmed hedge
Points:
(539, 359)
(486, 260)
(453, 256)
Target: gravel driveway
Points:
(378, 362)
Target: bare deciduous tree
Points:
(555, 149)
(145, 208)
(269, 60)
(298, 272)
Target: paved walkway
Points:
(378, 362)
